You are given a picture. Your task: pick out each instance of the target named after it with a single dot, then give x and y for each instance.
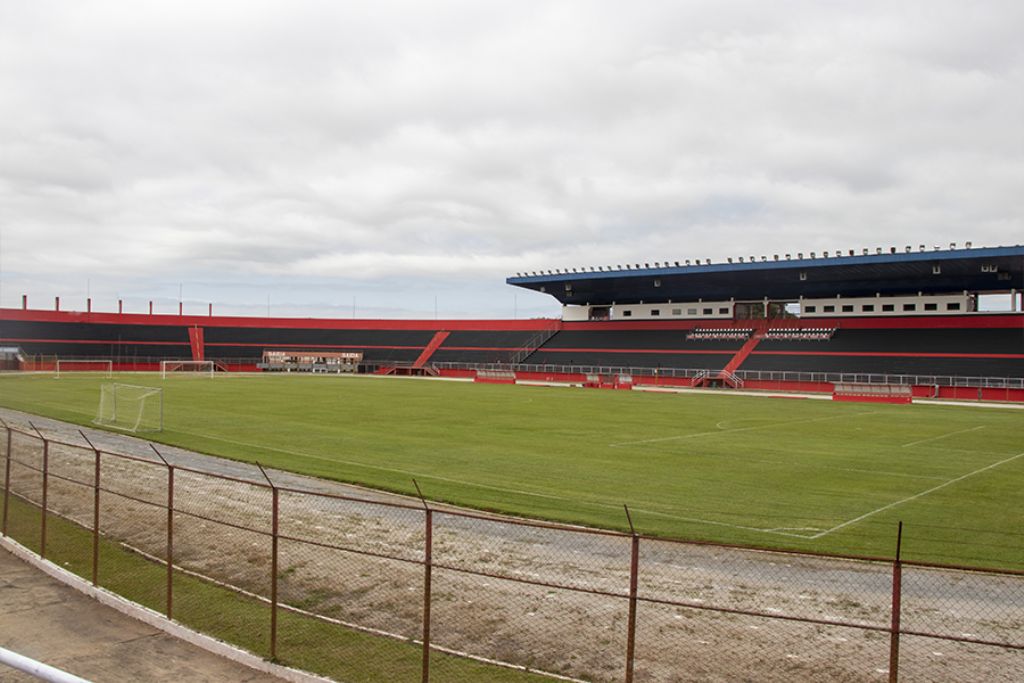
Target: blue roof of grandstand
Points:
(979, 270)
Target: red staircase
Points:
(195, 340)
(725, 376)
(431, 347)
(748, 346)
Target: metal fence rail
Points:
(747, 375)
(638, 371)
(459, 588)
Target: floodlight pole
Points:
(274, 530)
(170, 531)
(428, 551)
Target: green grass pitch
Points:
(797, 474)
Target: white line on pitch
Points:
(502, 489)
(916, 496)
(943, 436)
(739, 429)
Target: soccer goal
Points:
(196, 367)
(131, 408)
(66, 366)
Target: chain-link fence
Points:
(375, 590)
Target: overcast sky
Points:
(312, 154)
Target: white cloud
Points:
(390, 148)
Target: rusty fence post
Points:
(170, 532)
(46, 476)
(95, 511)
(634, 572)
(428, 552)
(894, 629)
(275, 504)
(7, 478)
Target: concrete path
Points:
(43, 619)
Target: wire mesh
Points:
(927, 659)
(25, 490)
(771, 584)
(548, 599)
(729, 608)
(339, 561)
(70, 504)
(556, 630)
(222, 557)
(986, 607)
(960, 604)
(676, 643)
(351, 578)
(546, 554)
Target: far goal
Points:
(131, 408)
(65, 366)
(204, 368)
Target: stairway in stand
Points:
(430, 348)
(726, 376)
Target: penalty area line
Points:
(782, 531)
(679, 437)
(943, 436)
(915, 496)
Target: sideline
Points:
(916, 496)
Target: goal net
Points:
(104, 366)
(196, 367)
(131, 408)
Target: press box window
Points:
(847, 308)
(627, 314)
(810, 309)
(931, 307)
(909, 307)
(723, 311)
(691, 311)
(888, 308)
(829, 309)
(677, 311)
(708, 311)
(953, 306)
(868, 308)
(655, 311)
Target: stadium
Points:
(462, 500)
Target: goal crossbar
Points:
(71, 365)
(202, 367)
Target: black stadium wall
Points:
(974, 345)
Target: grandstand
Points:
(908, 317)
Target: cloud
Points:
(380, 145)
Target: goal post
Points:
(131, 408)
(204, 368)
(71, 365)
